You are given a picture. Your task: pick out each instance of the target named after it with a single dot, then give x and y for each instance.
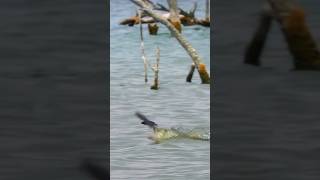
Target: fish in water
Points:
(161, 134)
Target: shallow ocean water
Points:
(175, 104)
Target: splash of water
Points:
(161, 134)
(195, 133)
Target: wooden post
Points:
(205, 78)
(302, 46)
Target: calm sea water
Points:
(175, 104)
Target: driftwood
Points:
(205, 78)
(189, 18)
(134, 20)
(186, 18)
(291, 18)
(174, 15)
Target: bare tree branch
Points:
(205, 78)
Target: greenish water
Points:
(176, 104)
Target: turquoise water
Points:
(175, 104)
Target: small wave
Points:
(162, 134)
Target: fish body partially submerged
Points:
(161, 134)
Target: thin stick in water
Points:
(155, 86)
(189, 77)
(144, 58)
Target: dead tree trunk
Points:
(174, 15)
(302, 46)
(205, 78)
